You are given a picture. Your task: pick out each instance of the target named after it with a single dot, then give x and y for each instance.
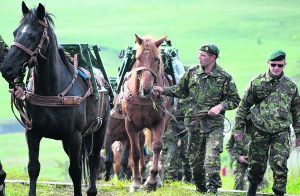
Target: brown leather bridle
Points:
(33, 54)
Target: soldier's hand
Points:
(238, 136)
(243, 159)
(297, 142)
(18, 92)
(157, 90)
(215, 110)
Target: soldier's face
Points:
(205, 59)
(276, 67)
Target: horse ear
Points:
(25, 9)
(138, 39)
(41, 12)
(160, 41)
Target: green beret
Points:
(276, 55)
(210, 48)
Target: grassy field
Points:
(54, 167)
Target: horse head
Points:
(148, 66)
(30, 43)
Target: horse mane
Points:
(149, 44)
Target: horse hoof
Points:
(134, 188)
(159, 182)
(150, 186)
(91, 192)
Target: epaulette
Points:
(193, 67)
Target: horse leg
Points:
(93, 159)
(153, 180)
(142, 159)
(108, 158)
(33, 143)
(73, 144)
(133, 136)
(124, 161)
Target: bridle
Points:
(33, 54)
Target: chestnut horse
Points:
(116, 131)
(144, 110)
(62, 106)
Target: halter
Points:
(146, 68)
(33, 54)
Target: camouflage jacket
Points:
(205, 91)
(274, 105)
(3, 49)
(236, 149)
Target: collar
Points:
(269, 77)
(214, 72)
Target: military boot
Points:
(2, 178)
(252, 190)
(212, 189)
(278, 193)
(201, 188)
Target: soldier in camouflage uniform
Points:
(3, 49)
(238, 152)
(212, 91)
(274, 104)
(174, 152)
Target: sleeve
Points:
(295, 111)
(243, 108)
(181, 90)
(231, 96)
(230, 147)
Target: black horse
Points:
(62, 105)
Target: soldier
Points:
(176, 166)
(274, 104)
(211, 92)
(3, 50)
(238, 152)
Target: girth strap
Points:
(56, 101)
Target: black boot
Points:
(252, 190)
(278, 193)
(212, 189)
(201, 188)
(2, 178)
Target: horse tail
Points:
(148, 139)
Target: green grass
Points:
(245, 31)
(14, 156)
(54, 165)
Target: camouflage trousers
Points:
(240, 176)
(174, 154)
(276, 148)
(204, 151)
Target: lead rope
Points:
(199, 114)
(19, 105)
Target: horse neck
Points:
(133, 84)
(51, 76)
